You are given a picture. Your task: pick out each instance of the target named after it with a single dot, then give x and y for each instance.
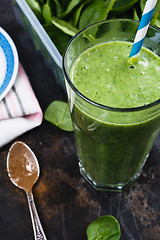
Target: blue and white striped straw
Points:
(143, 27)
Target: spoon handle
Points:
(37, 227)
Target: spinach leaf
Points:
(122, 6)
(75, 17)
(36, 8)
(94, 12)
(135, 15)
(66, 27)
(58, 113)
(104, 228)
(70, 7)
(46, 11)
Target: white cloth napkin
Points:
(19, 110)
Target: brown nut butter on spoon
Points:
(23, 170)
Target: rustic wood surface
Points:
(65, 201)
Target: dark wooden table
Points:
(65, 201)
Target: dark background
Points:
(65, 201)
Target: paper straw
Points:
(143, 27)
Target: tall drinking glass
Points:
(112, 143)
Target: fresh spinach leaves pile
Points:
(62, 19)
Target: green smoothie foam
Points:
(103, 74)
(114, 145)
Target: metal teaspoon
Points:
(23, 170)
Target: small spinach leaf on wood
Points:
(58, 113)
(104, 228)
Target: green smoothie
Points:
(113, 144)
(104, 75)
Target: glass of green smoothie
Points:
(114, 104)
